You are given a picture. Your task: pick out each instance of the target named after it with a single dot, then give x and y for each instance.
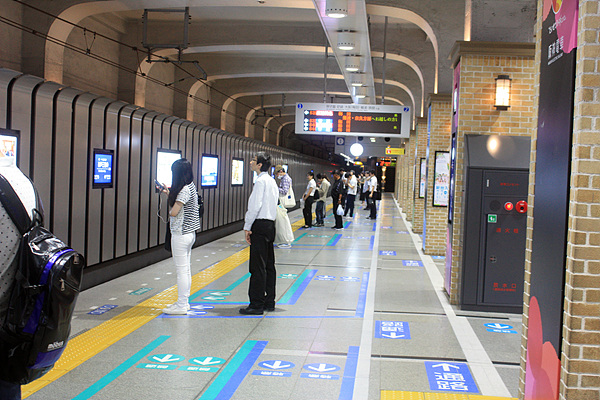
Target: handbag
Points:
(168, 237)
(283, 228)
(288, 200)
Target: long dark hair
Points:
(182, 175)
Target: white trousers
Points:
(181, 248)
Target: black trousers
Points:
(262, 265)
(372, 206)
(350, 204)
(307, 210)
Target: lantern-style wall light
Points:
(502, 100)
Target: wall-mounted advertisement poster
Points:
(164, 159)
(9, 141)
(210, 171)
(423, 178)
(237, 172)
(103, 168)
(441, 183)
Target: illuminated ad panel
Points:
(352, 120)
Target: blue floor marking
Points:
(300, 237)
(237, 283)
(362, 297)
(333, 241)
(118, 371)
(347, 224)
(374, 226)
(294, 293)
(347, 390)
(372, 243)
(227, 382)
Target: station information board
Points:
(352, 120)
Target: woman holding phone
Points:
(183, 222)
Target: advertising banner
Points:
(555, 126)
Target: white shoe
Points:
(175, 309)
(284, 246)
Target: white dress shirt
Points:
(352, 182)
(263, 200)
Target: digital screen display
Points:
(237, 172)
(103, 168)
(441, 183)
(423, 178)
(9, 144)
(254, 177)
(209, 171)
(352, 119)
(164, 159)
(285, 168)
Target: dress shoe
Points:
(251, 311)
(270, 308)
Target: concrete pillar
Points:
(419, 192)
(440, 136)
(477, 64)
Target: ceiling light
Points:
(360, 92)
(356, 149)
(357, 79)
(352, 63)
(346, 40)
(336, 8)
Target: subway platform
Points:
(361, 314)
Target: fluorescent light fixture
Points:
(352, 63)
(336, 8)
(346, 40)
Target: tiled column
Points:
(436, 217)
(480, 64)
(421, 152)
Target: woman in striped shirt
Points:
(184, 221)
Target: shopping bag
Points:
(288, 201)
(283, 228)
(340, 210)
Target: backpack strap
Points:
(13, 206)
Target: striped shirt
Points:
(188, 218)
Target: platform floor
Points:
(361, 314)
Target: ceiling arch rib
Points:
(410, 16)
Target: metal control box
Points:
(495, 222)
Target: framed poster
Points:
(441, 181)
(423, 178)
(9, 144)
(164, 159)
(209, 171)
(237, 171)
(103, 168)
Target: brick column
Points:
(436, 218)
(409, 164)
(421, 152)
(480, 64)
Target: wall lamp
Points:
(336, 8)
(502, 100)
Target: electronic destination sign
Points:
(352, 120)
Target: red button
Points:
(508, 206)
(522, 207)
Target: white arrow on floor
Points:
(277, 365)
(206, 361)
(321, 368)
(392, 335)
(167, 358)
(445, 366)
(499, 326)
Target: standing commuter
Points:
(337, 194)
(11, 238)
(183, 222)
(365, 190)
(309, 199)
(259, 229)
(372, 197)
(285, 185)
(323, 188)
(351, 184)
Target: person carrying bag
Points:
(286, 192)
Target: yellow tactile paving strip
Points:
(400, 395)
(92, 342)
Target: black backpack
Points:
(38, 321)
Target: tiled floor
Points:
(360, 315)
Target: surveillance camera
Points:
(387, 139)
(360, 138)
